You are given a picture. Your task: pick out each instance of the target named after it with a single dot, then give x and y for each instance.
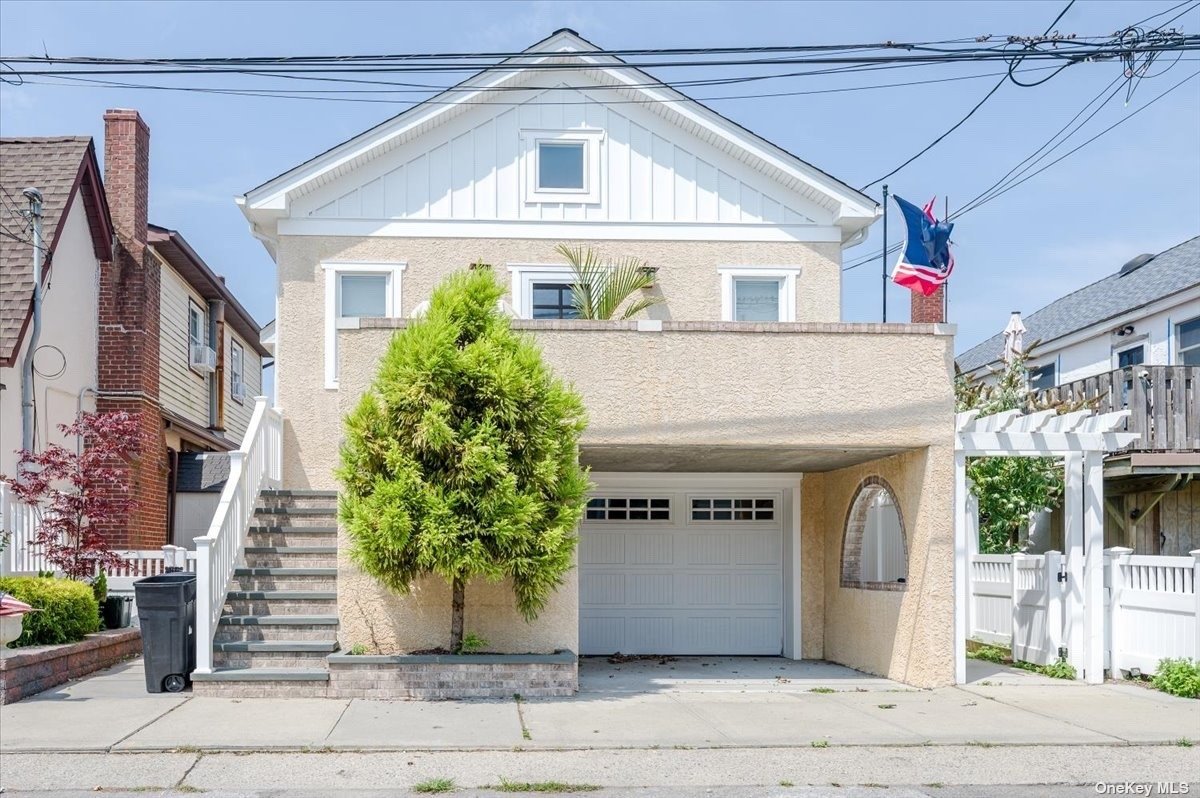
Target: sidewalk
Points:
(106, 731)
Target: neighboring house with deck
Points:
(132, 319)
(744, 442)
(1130, 341)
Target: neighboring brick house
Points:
(143, 323)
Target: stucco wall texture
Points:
(824, 389)
(687, 277)
(906, 635)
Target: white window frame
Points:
(592, 141)
(237, 370)
(1179, 349)
(786, 275)
(333, 274)
(200, 313)
(524, 275)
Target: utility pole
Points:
(35, 217)
(884, 256)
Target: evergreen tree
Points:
(462, 460)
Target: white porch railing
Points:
(256, 465)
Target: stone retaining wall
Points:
(442, 677)
(26, 671)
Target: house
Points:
(77, 236)
(132, 319)
(1130, 341)
(769, 480)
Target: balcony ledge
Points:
(655, 326)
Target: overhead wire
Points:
(976, 107)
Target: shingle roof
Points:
(1170, 272)
(52, 165)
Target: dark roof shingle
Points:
(1169, 272)
(51, 165)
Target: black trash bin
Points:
(117, 611)
(166, 607)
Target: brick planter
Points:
(435, 677)
(26, 671)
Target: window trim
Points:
(1177, 331)
(202, 314)
(592, 140)
(237, 354)
(787, 276)
(524, 275)
(855, 523)
(333, 273)
(1050, 364)
(1123, 350)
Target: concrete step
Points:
(278, 646)
(263, 674)
(265, 535)
(300, 517)
(269, 658)
(292, 628)
(262, 682)
(291, 556)
(281, 603)
(276, 579)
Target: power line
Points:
(971, 113)
(301, 94)
(981, 200)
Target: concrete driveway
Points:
(687, 702)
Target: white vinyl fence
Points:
(1152, 607)
(20, 557)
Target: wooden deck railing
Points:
(1163, 403)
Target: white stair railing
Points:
(258, 464)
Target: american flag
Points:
(925, 260)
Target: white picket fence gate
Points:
(1152, 607)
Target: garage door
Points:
(682, 573)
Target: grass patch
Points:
(435, 786)
(820, 743)
(1179, 677)
(1184, 742)
(822, 690)
(541, 786)
(1002, 656)
(887, 706)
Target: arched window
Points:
(874, 549)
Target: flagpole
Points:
(885, 245)
(946, 285)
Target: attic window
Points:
(562, 166)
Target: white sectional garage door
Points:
(668, 572)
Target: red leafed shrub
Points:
(79, 492)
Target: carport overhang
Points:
(727, 459)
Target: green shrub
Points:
(1059, 670)
(69, 610)
(1179, 677)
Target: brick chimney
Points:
(929, 309)
(128, 367)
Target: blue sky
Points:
(1135, 190)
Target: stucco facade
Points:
(801, 401)
(687, 278)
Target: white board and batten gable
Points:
(655, 165)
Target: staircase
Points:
(280, 616)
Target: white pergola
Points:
(1081, 439)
